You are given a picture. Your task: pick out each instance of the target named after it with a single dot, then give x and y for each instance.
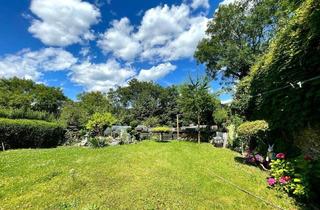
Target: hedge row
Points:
(23, 133)
(25, 114)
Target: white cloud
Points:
(200, 4)
(101, 77)
(63, 22)
(156, 72)
(165, 33)
(31, 64)
(225, 2)
(118, 39)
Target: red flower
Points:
(280, 156)
(287, 178)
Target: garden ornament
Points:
(270, 153)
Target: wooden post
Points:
(199, 134)
(3, 148)
(178, 135)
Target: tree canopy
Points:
(25, 94)
(237, 35)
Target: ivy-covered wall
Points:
(285, 83)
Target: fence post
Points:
(3, 148)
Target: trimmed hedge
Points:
(23, 133)
(25, 114)
(252, 128)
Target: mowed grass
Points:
(148, 175)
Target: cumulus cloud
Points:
(165, 33)
(156, 72)
(63, 22)
(200, 4)
(118, 40)
(102, 76)
(31, 64)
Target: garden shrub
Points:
(295, 176)
(100, 121)
(125, 137)
(23, 133)
(253, 134)
(99, 142)
(161, 130)
(26, 114)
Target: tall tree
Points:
(196, 102)
(94, 102)
(141, 100)
(25, 94)
(237, 35)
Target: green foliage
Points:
(98, 142)
(161, 129)
(98, 122)
(220, 116)
(248, 129)
(293, 176)
(292, 57)
(25, 114)
(195, 102)
(73, 114)
(27, 95)
(78, 113)
(125, 137)
(253, 135)
(151, 122)
(237, 35)
(139, 101)
(231, 134)
(241, 99)
(93, 102)
(308, 140)
(22, 133)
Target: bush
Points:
(252, 128)
(25, 114)
(99, 122)
(22, 133)
(125, 137)
(98, 142)
(252, 134)
(161, 130)
(293, 176)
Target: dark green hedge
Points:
(22, 133)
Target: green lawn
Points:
(148, 175)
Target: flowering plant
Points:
(285, 176)
(280, 156)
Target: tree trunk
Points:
(199, 134)
(178, 127)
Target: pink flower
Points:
(284, 179)
(280, 156)
(271, 181)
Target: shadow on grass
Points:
(241, 160)
(165, 141)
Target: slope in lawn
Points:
(148, 175)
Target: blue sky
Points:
(89, 45)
